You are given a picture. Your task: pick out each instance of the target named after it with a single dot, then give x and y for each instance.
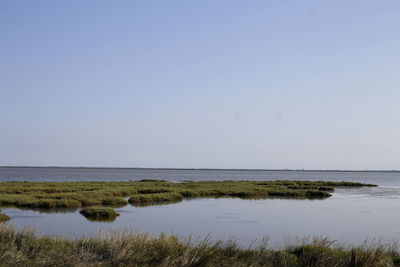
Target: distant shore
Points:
(199, 169)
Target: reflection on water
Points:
(350, 216)
(159, 203)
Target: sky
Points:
(200, 84)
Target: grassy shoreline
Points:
(25, 248)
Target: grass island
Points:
(99, 213)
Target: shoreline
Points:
(138, 249)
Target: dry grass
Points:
(4, 218)
(136, 249)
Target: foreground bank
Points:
(135, 249)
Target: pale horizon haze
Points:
(200, 84)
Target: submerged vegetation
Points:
(84, 194)
(99, 213)
(136, 249)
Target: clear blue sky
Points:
(218, 84)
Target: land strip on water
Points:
(50, 195)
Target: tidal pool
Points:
(350, 216)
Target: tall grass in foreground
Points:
(136, 249)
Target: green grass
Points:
(156, 197)
(84, 194)
(99, 213)
(136, 249)
(114, 201)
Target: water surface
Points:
(349, 216)
(176, 175)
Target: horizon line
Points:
(205, 169)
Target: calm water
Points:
(99, 174)
(349, 216)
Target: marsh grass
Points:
(114, 202)
(4, 218)
(99, 213)
(136, 249)
(156, 197)
(52, 195)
